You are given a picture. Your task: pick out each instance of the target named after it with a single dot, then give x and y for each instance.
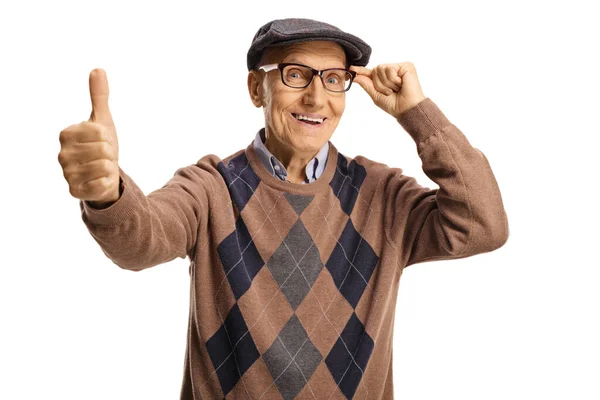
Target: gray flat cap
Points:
(280, 32)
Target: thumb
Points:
(99, 95)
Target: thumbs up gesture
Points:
(89, 153)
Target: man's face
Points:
(281, 103)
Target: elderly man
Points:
(296, 250)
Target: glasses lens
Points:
(337, 80)
(296, 76)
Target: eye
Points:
(295, 74)
(334, 77)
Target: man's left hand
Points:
(394, 88)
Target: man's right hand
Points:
(89, 153)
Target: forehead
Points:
(318, 54)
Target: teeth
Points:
(319, 120)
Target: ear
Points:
(255, 88)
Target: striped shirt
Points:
(314, 168)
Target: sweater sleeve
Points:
(139, 231)
(464, 217)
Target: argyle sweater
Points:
(293, 287)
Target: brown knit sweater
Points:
(293, 287)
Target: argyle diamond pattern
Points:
(238, 248)
(347, 181)
(232, 350)
(349, 356)
(351, 277)
(292, 359)
(296, 264)
(335, 342)
(240, 178)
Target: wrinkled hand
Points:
(394, 88)
(89, 153)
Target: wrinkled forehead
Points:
(317, 54)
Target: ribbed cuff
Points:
(117, 212)
(423, 120)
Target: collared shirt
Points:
(314, 168)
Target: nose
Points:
(315, 93)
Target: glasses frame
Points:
(281, 66)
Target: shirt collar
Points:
(314, 168)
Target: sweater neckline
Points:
(296, 188)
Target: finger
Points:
(83, 153)
(379, 84)
(361, 70)
(79, 174)
(98, 187)
(84, 132)
(407, 68)
(390, 86)
(95, 189)
(367, 84)
(99, 95)
(392, 75)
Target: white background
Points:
(520, 79)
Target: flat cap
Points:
(281, 32)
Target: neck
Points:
(294, 162)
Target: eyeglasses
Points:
(301, 76)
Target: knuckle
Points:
(94, 129)
(71, 132)
(105, 183)
(64, 160)
(64, 135)
(84, 190)
(91, 127)
(101, 134)
(67, 172)
(89, 186)
(98, 186)
(87, 189)
(72, 179)
(74, 192)
(106, 149)
(106, 165)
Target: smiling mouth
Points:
(309, 121)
